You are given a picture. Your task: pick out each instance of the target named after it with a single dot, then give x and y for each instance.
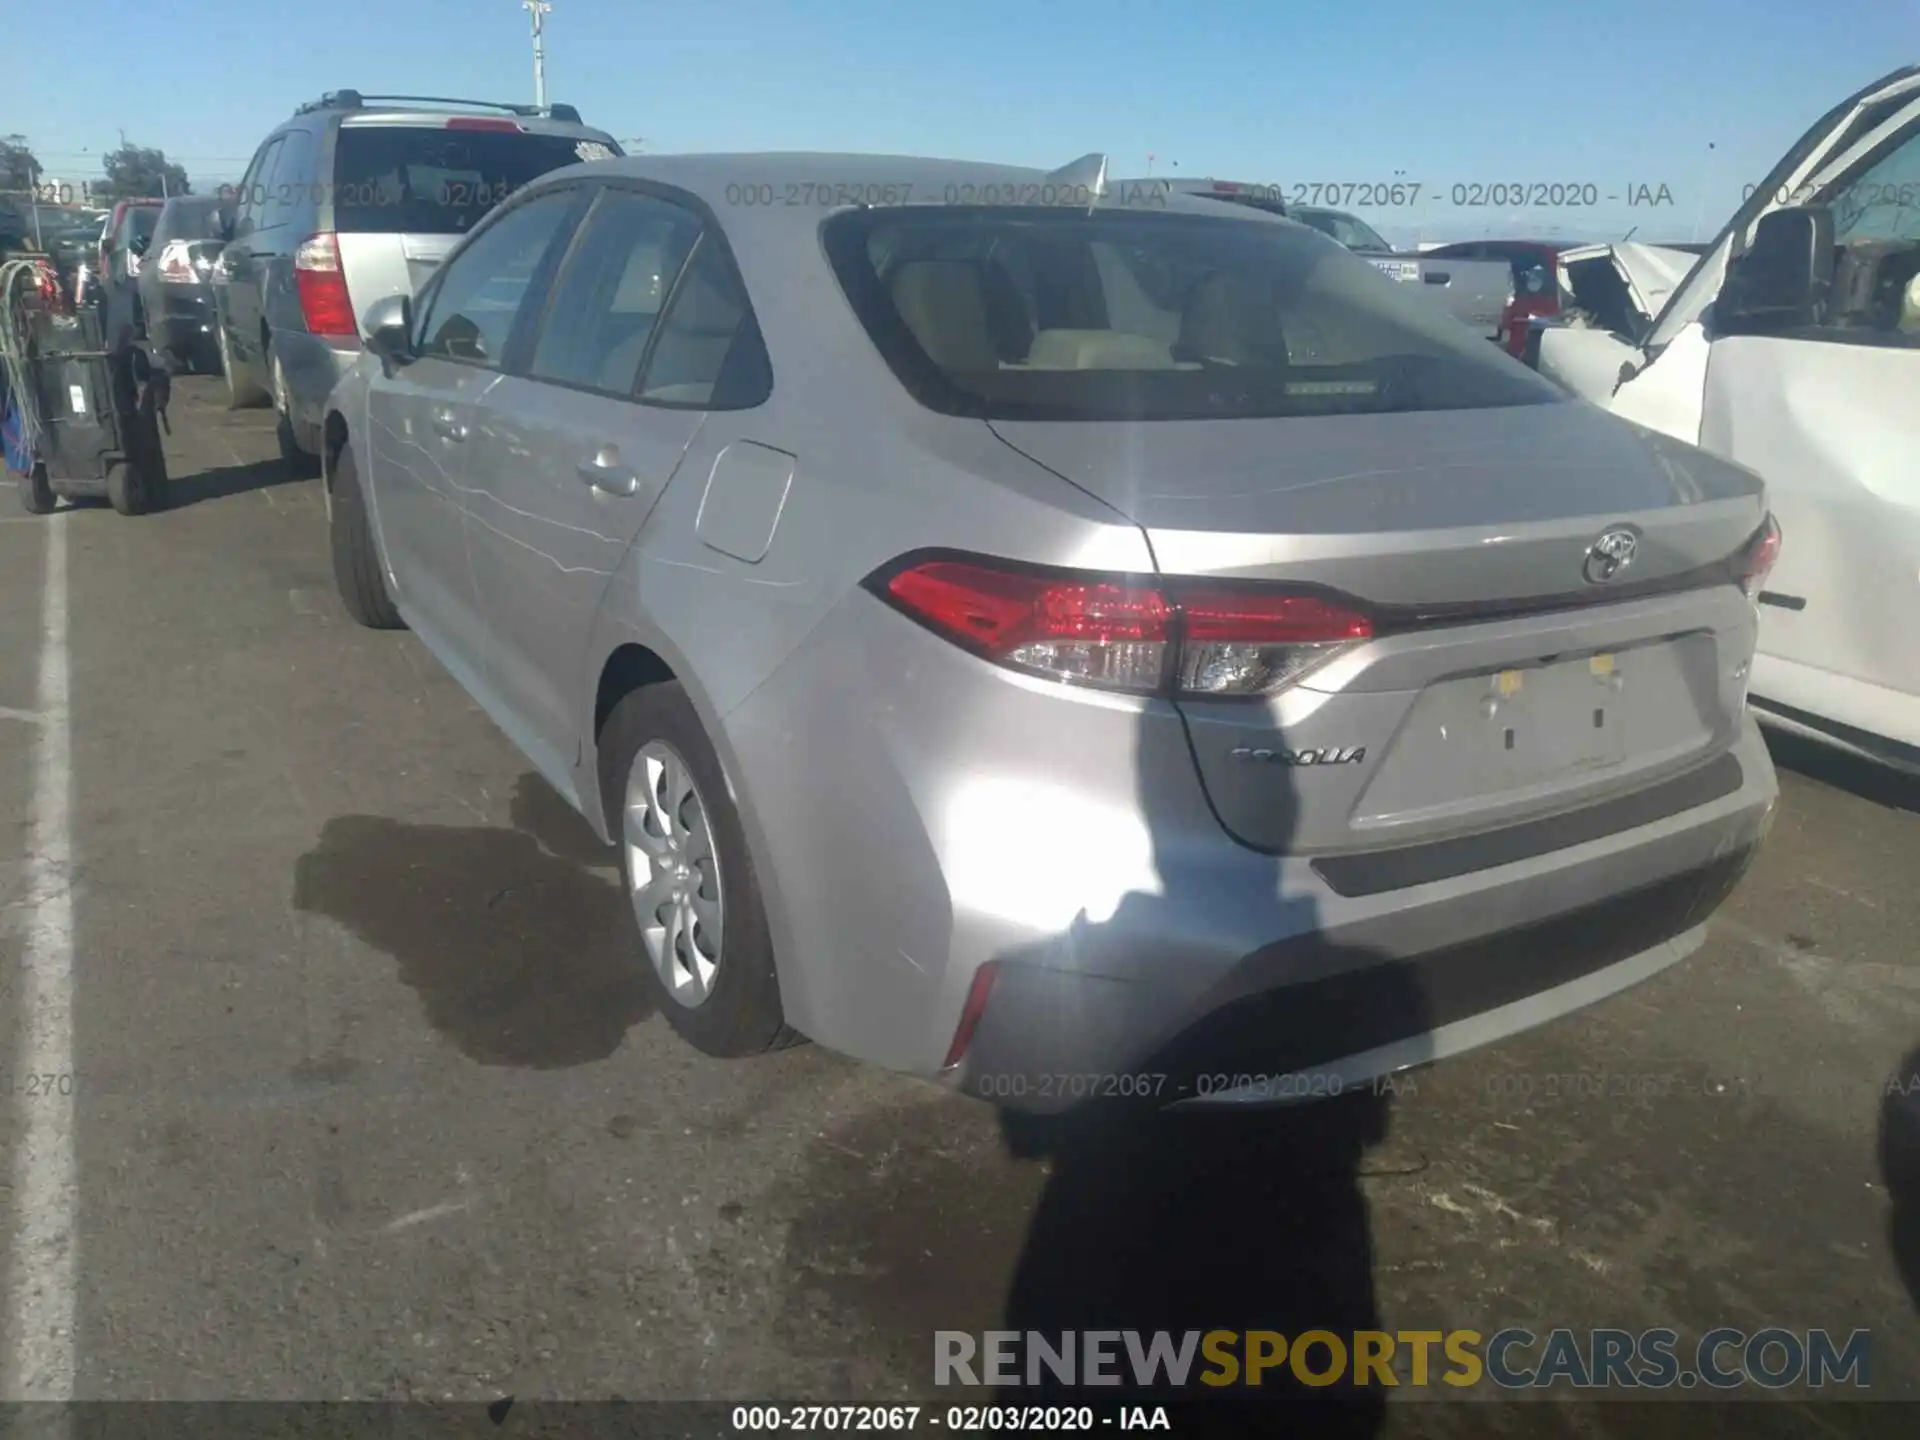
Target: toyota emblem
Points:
(1612, 553)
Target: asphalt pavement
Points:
(328, 1075)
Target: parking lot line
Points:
(40, 1283)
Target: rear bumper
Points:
(967, 816)
(182, 317)
(1392, 982)
(314, 364)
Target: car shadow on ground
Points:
(517, 939)
(1878, 784)
(1900, 1168)
(226, 480)
(1245, 1219)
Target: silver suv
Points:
(354, 198)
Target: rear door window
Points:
(253, 189)
(288, 185)
(611, 291)
(708, 354)
(426, 180)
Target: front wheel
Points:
(705, 950)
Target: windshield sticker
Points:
(593, 150)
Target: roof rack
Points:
(354, 100)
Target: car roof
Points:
(777, 188)
(380, 117)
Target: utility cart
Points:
(81, 417)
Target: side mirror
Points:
(389, 329)
(1783, 277)
(138, 243)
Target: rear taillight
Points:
(323, 286)
(1140, 634)
(1758, 559)
(970, 1013)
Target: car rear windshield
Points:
(418, 180)
(1055, 314)
(1349, 230)
(195, 219)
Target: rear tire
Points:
(299, 463)
(36, 492)
(127, 489)
(740, 1012)
(357, 574)
(139, 485)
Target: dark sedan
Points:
(175, 282)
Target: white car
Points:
(1793, 347)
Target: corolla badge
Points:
(1326, 755)
(1612, 553)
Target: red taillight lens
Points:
(1762, 551)
(1254, 642)
(323, 287)
(971, 1012)
(1128, 633)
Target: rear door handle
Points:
(604, 471)
(1437, 277)
(448, 426)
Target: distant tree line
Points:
(131, 172)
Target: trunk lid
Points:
(1503, 684)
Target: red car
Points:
(1536, 280)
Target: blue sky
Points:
(1615, 94)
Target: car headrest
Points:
(944, 304)
(1218, 321)
(641, 287)
(1097, 350)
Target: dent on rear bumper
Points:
(920, 813)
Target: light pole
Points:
(538, 9)
(1700, 211)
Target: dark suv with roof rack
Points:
(354, 198)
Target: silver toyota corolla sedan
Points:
(1068, 640)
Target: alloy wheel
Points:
(674, 873)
